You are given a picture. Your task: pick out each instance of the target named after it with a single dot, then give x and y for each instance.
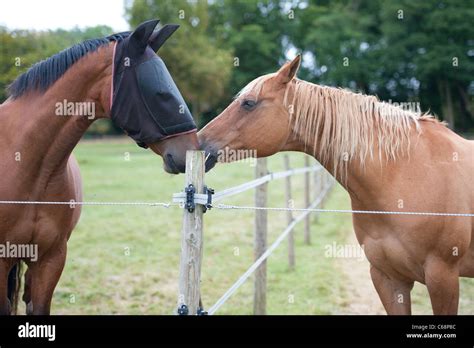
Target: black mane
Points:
(44, 73)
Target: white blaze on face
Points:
(254, 86)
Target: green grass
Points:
(125, 259)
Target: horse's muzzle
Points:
(210, 154)
(211, 160)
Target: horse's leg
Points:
(442, 281)
(466, 267)
(394, 293)
(5, 308)
(44, 277)
(27, 293)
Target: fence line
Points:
(73, 203)
(218, 196)
(267, 253)
(289, 215)
(192, 242)
(260, 241)
(323, 180)
(177, 202)
(307, 185)
(191, 246)
(261, 252)
(343, 211)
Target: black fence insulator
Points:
(183, 310)
(190, 191)
(209, 192)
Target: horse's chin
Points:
(170, 166)
(211, 154)
(211, 160)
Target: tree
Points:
(19, 49)
(200, 69)
(437, 39)
(255, 31)
(405, 50)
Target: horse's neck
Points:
(356, 157)
(356, 179)
(43, 134)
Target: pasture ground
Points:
(125, 260)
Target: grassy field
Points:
(125, 260)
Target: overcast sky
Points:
(66, 14)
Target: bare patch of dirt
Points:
(361, 295)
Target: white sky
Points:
(65, 14)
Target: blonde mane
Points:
(344, 125)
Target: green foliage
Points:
(403, 51)
(220, 47)
(254, 31)
(20, 49)
(200, 68)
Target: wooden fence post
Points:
(260, 282)
(307, 189)
(289, 215)
(191, 242)
(317, 188)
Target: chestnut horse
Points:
(36, 143)
(387, 158)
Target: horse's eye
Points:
(249, 104)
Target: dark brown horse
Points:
(388, 159)
(49, 109)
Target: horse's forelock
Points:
(254, 87)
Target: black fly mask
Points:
(145, 101)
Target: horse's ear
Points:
(141, 35)
(158, 38)
(288, 71)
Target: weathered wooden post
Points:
(191, 242)
(317, 188)
(260, 283)
(289, 215)
(307, 188)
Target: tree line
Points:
(404, 51)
